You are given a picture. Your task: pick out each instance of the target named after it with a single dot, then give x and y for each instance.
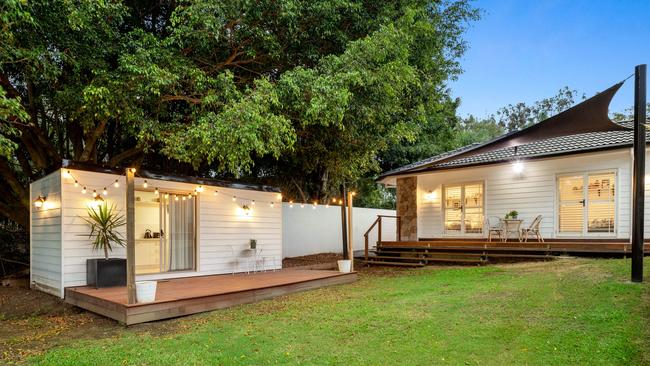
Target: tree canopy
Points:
(306, 95)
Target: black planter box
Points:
(106, 272)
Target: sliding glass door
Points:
(587, 203)
(165, 232)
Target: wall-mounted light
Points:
(518, 167)
(244, 211)
(430, 196)
(40, 201)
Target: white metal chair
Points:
(268, 258)
(495, 226)
(238, 258)
(533, 229)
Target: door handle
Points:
(583, 203)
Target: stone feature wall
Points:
(407, 207)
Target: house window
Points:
(463, 209)
(165, 225)
(587, 203)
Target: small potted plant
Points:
(104, 222)
(512, 215)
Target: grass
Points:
(553, 313)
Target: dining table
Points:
(511, 226)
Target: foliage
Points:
(564, 312)
(104, 223)
(514, 117)
(512, 214)
(305, 95)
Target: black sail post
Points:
(638, 184)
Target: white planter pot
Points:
(145, 291)
(345, 265)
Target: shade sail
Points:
(590, 115)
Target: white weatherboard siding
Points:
(45, 235)
(532, 193)
(311, 231)
(221, 230)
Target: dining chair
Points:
(533, 229)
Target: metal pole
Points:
(130, 236)
(638, 183)
(344, 234)
(351, 231)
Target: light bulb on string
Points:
(234, 198)
(156, 191)
(175, 198)
(116, 184)
(145, 184)
(167, 195)
(83, 191)
(272, 205)
(302, 205)
(183, 198)
(290, 204)
(216, 193)
(67, 174)
(253, 202)
(76, 184)
(94, 193)
(105, 192)
(279, 196)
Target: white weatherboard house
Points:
(179, 232)
(580, 184)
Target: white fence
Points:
(309, 231)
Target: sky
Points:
(525, 50)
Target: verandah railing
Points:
(378, 222)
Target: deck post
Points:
(638, 183)
(351, 231)
(130, 236)
(379, 229)
(344, 235)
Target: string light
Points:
(67, 174)
(167, 195)
(94, 193)
(302, 205)
(116, 184)
(272, 205)
(76, 184)
(83, 191)
(216, 193)
(199, 189)
(290, 204)
(133, 170)
(234, 198)
(145, 185)
(105, 192)
(279, 196)
(253, 202)
(327, 205)
(183, 198)
(156, 191)
(175, 198)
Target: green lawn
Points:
(553, 313)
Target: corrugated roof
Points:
(578, 143)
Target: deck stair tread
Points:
(375, 259)
(405, 264)
(425, 258)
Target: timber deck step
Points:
(387, 263)
(379, 259)
(470, 258)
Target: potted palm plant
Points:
(104, 223)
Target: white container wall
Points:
(309, 231)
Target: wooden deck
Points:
(184, 296)
(479, 251)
